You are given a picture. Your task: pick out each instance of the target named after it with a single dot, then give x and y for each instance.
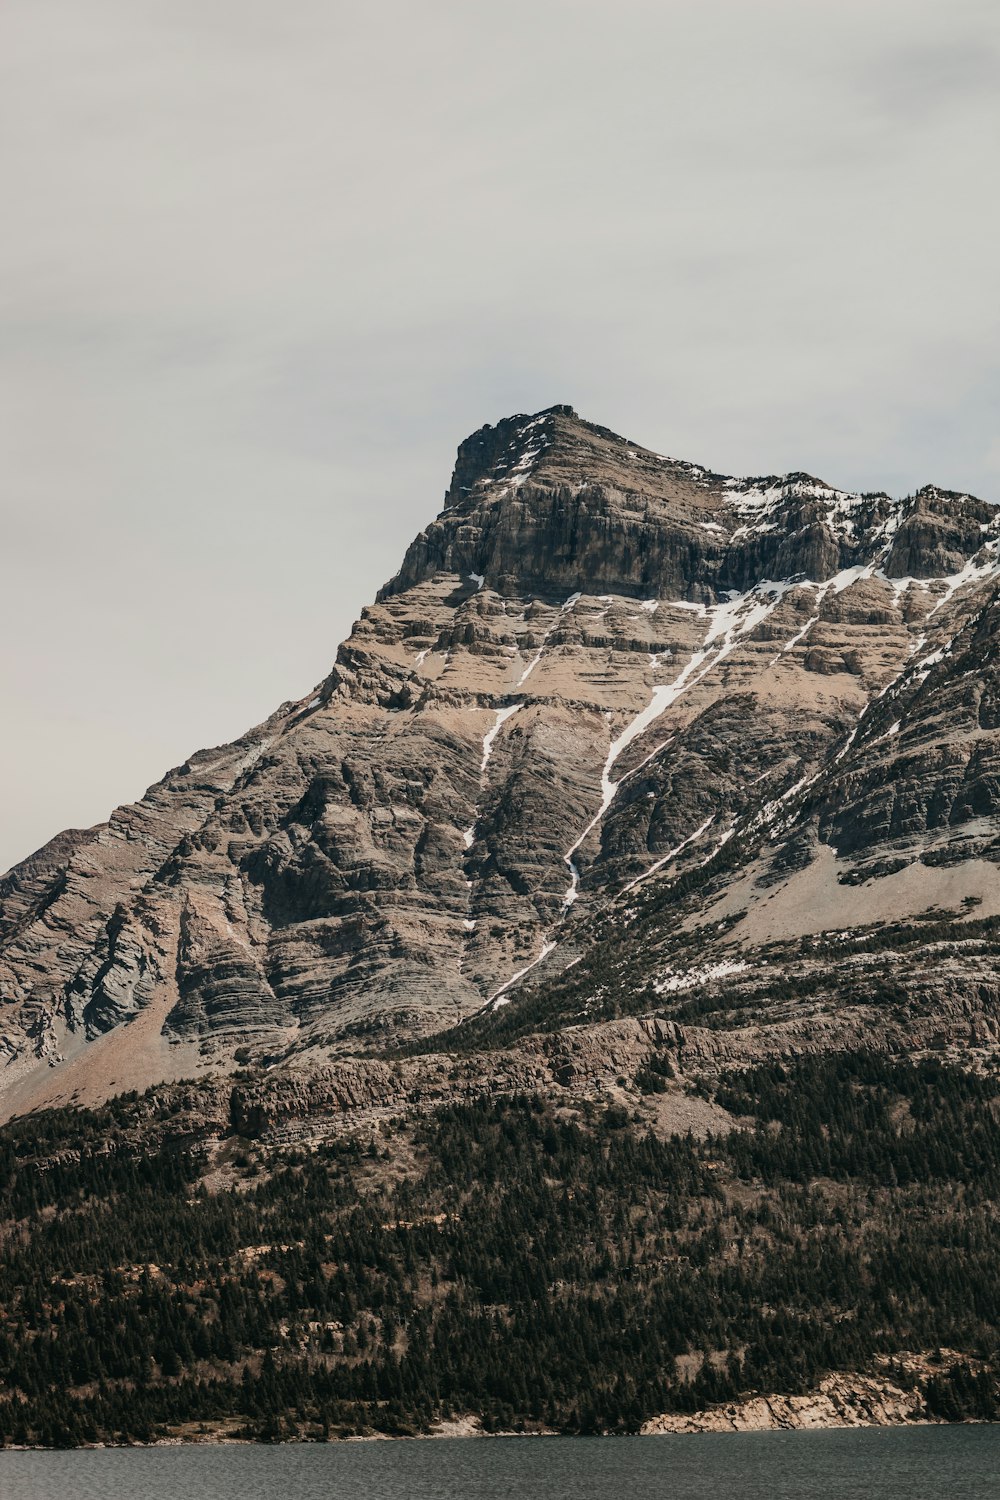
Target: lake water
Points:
(923, 1463)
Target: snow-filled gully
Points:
(728, 623)
(732, 621)
(503, 714)
(533, 663)
(499, 998)
(489, 739)
(665, 860)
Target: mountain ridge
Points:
(595, 671)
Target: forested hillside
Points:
(535, 1266)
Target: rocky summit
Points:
(623, 737)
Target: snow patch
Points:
(252, 756)
(799, 637)
(665, 860)
(489, 739)
(973, 572)
(730, 620)
(671, 983)
(533, 663)
(498, 999)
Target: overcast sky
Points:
(264, 262)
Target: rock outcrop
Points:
(840, 1401)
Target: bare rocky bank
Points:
(840, 1401)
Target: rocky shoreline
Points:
(840, 1401)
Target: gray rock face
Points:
(600, 678)
(553, 505)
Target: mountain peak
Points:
(557, 440)
(597, 668)
(550, 504)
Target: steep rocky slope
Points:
(622, 736)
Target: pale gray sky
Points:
(265, 262)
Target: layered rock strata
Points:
(599, 674)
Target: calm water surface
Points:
(924, 1463)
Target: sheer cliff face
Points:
(595, 670)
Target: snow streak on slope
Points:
(489, 739)
(666, 858)
(737, 617)
(498, 999)
(671, 983)
(728, 623)
(835, 585)
(973, 572)
(503, 714)
(533, 663)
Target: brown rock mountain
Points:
(623, 736)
